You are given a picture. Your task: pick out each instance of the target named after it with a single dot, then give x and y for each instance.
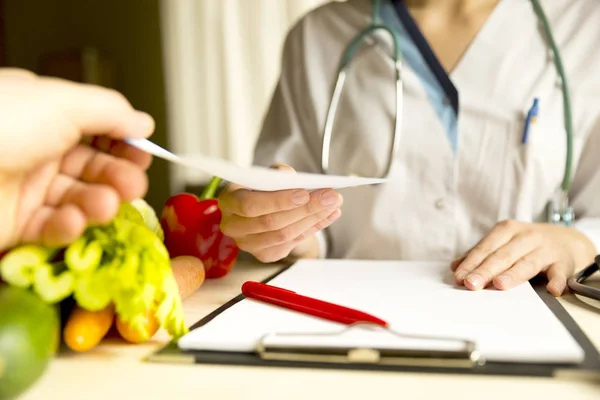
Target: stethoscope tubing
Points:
(397, 57)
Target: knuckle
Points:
(277, 201)
(478, 252)
(247, 208)
(20, 73)
(310, 207)
(501, 256)
(528, 266)
(282, 200)
(323, 223)
(283, 235)
(536, 237)
(268, 222)
(116, 96)
(508, 224)
(300, 238)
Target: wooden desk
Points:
(113, 371)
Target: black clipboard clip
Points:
(273, 346)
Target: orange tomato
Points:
(85, 329)
(150, 326)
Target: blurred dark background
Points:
(114, 43)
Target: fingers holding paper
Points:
(270, 225)
(514, 252)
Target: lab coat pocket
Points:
(523, 204)
(517, 188)
(536, 168)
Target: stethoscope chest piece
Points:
(558, 211)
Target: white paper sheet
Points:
(254, 177)
(414, 297)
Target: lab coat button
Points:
(440, 204)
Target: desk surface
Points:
(113, 370)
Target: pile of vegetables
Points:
(121, 275)
(120, 269)
(127, 277)
(131, 274)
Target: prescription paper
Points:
(414, 297)
(255, 177)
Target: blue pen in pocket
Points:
(531, 119)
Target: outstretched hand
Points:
(62, 163)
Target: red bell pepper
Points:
(191, 226)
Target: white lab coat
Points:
(437, 203)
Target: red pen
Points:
(307, 305)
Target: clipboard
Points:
(464, 361)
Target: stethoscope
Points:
(576, 285)
(558, 209)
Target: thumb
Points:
(557, 278)
(106, 112)
(282, 167)
(48, 116)
(95, 110)
(7, 73)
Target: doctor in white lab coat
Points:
(463, 186)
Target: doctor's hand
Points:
(514, 252)
(274, 225)
(53, 180)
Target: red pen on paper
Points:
(306, 305)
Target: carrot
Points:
(189, 274)
(85, 329)
(150, 326)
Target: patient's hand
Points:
(271, 225)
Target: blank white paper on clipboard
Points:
(414, 297)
